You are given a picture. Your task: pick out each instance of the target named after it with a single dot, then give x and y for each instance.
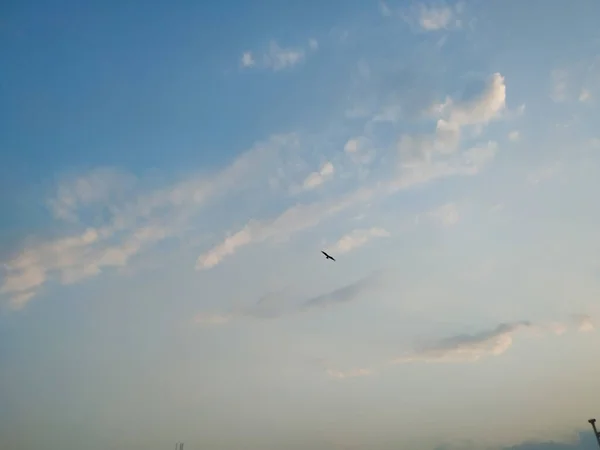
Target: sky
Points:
(171, 173)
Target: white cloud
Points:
(272, 305)
(481, 155)
(424, 168)
(248, 59)
(293, 220)
(585, 96)
(137, 220)
(432, 19)
(514, 136)
(358, 152)
(72, 259)
(278, 58)
(99, 186)
(488, 105)
(584, 323)
(358, 238)
(316, 179)
(469, 348)
(419, 168)
(447, 214)
(351, 146)
(466, 347)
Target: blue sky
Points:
(170, 175)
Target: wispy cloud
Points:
(276, 305)
(357, 238)
(247, 59)
(98, 187)
(480, 110)
(427, 157)
(291, 221)
(430, 18)
(316, 179)
(128, 219)
(358, 151)
(469, 348)
(419, 164)
(514, 136)
(345, 294)
(466, 347)
(584, 323)
(277, 57)
(136, 219)
(585, 95)
(447, 214)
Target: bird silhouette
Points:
(327, 256)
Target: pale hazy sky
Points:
(170, 173)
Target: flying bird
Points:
(327, 256)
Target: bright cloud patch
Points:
(316, 179)
(432, 19)
(138, 219)
(358, 238)
(277, 57)
(466, 347)
(248, 59)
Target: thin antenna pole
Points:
(596, 432)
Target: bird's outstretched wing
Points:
(328, 256)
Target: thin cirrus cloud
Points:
(584, 323)
(317, 178)
(278, 58)
(275, 305)
(358, 238)
(514, 136)
(422, 159)
(469, 348)
(466, 347)
(432, 18)
(494, 342)
(140, 218)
